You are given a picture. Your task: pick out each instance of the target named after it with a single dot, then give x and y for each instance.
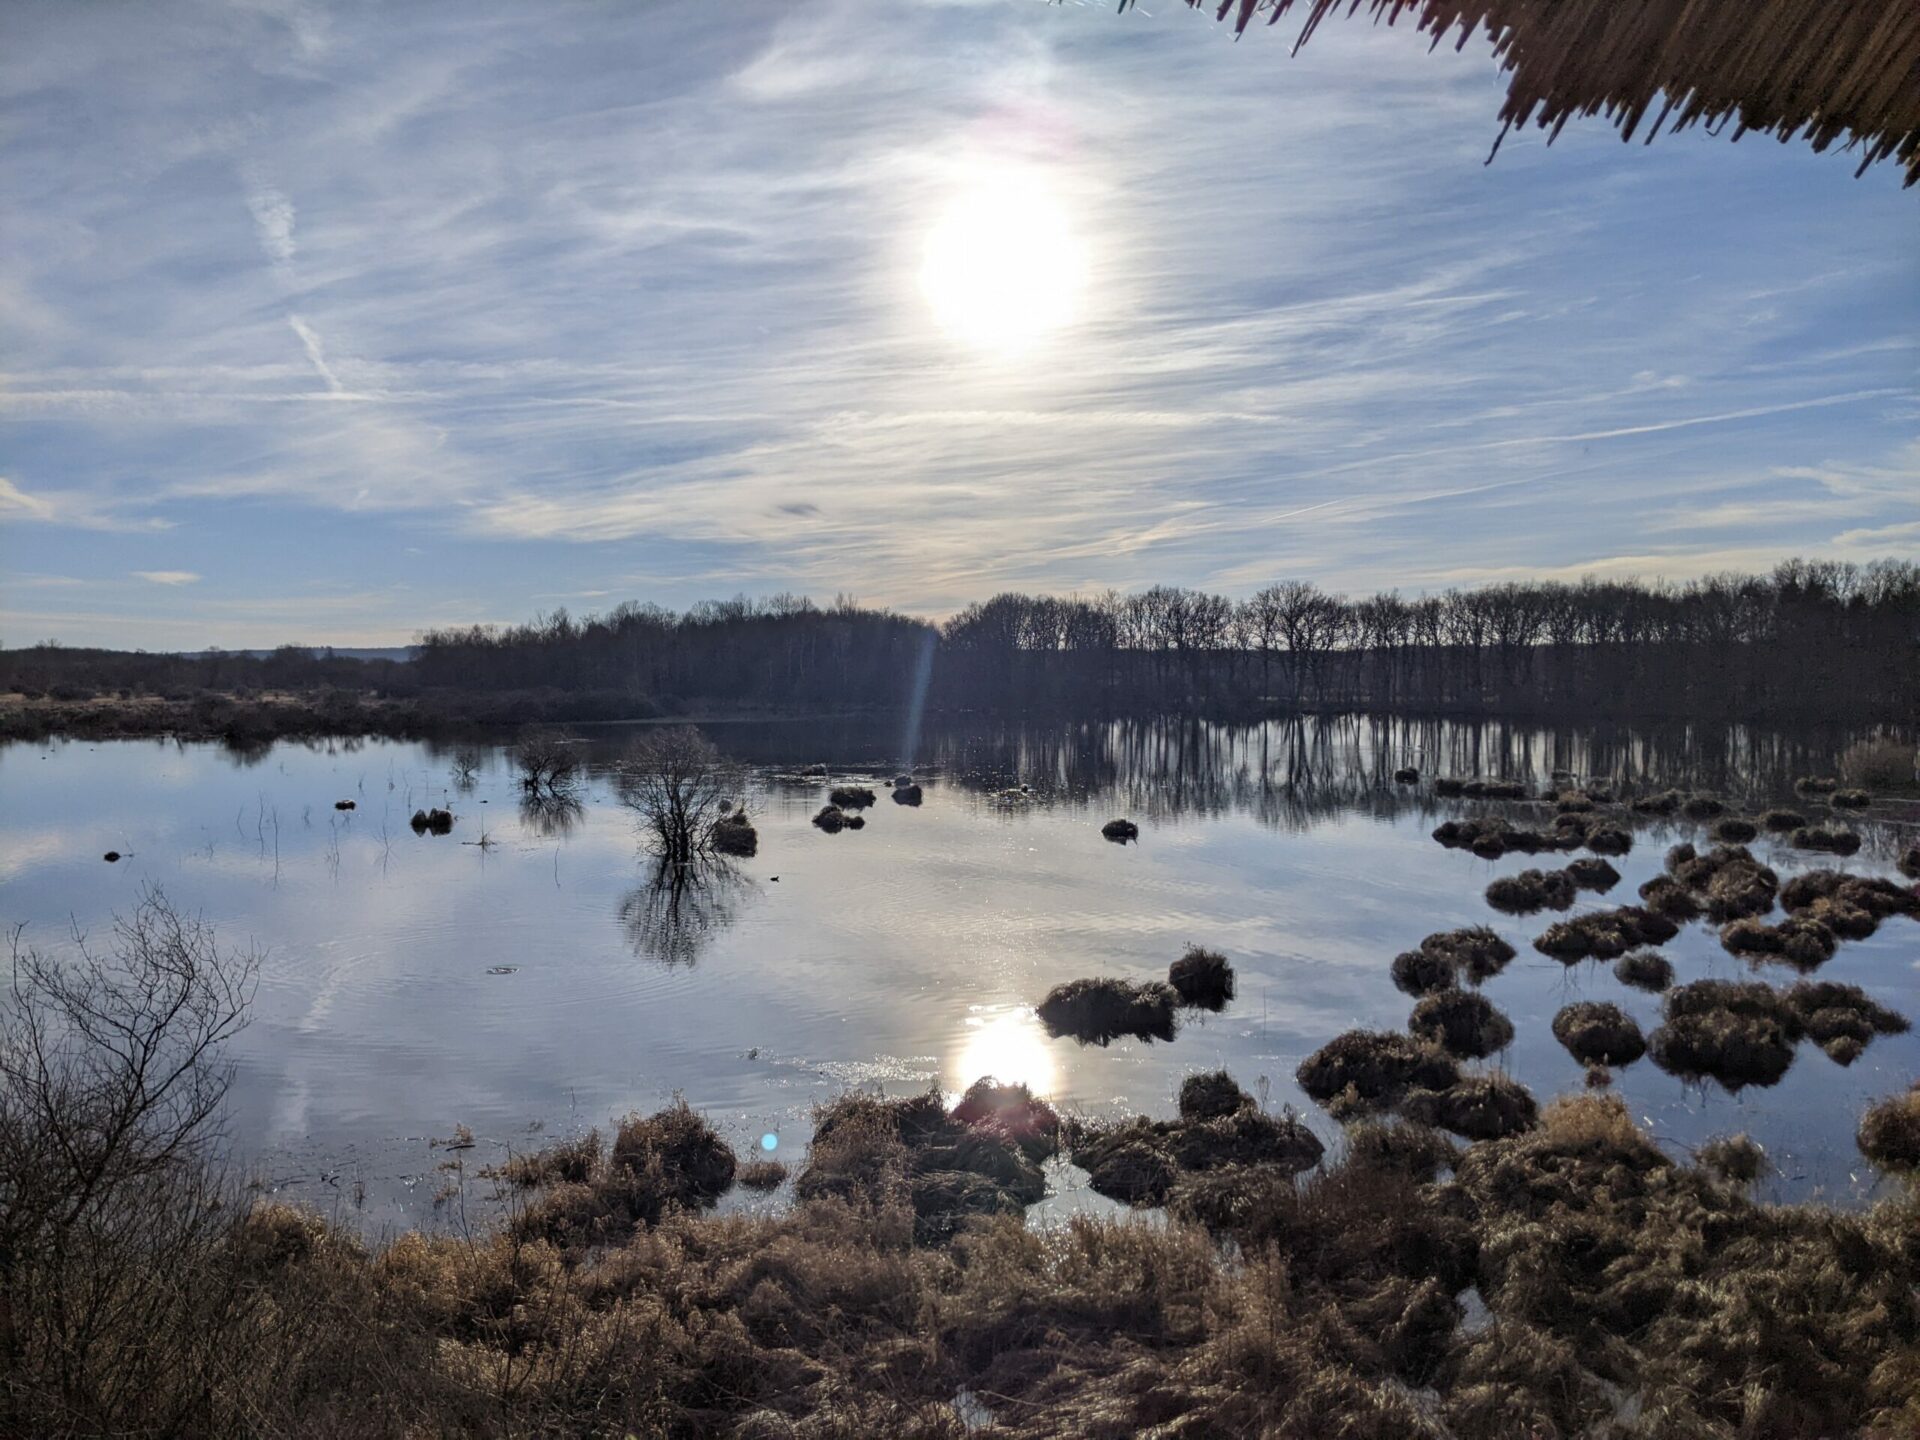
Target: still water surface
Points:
(541, 982)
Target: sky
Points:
(330, 322)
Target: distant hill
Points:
(400, 653)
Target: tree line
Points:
(1812, 638)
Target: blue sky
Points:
(333, 321)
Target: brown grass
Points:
(1100, 1010)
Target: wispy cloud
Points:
(591, 301)
(167, 577)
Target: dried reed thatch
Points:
(1889, 1132)
(1738, 1033)
(1099, 1010)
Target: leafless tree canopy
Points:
(548, 763)
(111, 1083)
(675, 780)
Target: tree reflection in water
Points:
(548, 813)
(675, 913)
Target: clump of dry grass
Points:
(1477, 952)
(1099, 1010)
(1598, 1032)
(1608, 840)
(1801, 941)
(1828, 838)
(1211, 1095)
(1737, 1033)
(1604, 934)
(1841, 1019)
(671, 1160)
(1592, 873)
(761, 1175)
(1702, 806)
(830, 818)
(570, 1162)
(1573, 802)
(1448, 786)
(1666, 802)
(1666, 896)
(1889, 1133)
(1811, 785)
(734, 834)
(1202, 978)
(1644, 970)
(1464, 1023)
(1490, 837)
(1909, 862)
(1850, 799)
(1732, 884)
(1120, 831)
(432, 822)
(1480, 1107)
(1531, 891)
(1368, 1071)
(1424, 971)
(1486, 788)
(1737, 1159)
(1780, 821)
(1406, 775)
(1851, 905)
(1734, 830)
(851, 797)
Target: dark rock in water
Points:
(111, 857)
(343, 805)
(1598, 1032)
(1203, 978)
(1120, 831)
(1406, 775)
(1100, 1010)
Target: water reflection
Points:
(1009, 1044)
(675, 913)
(548, 813)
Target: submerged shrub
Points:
(733, 834)
(1644, 970)
(1099, 1010)
(1461, 1022)
(1597, 1032)
(1202, 978)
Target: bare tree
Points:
(111, 1084)
(548, 763)
(676, 781)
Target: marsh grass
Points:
(1099, 1010)
(1598, 1032)
(1464, 1023)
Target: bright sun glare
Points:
(1003, 267)
(1010, 1046)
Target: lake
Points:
(524, 976)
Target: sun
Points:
(1003, 267)
(1009, 1045)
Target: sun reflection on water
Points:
(1008, 1044)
